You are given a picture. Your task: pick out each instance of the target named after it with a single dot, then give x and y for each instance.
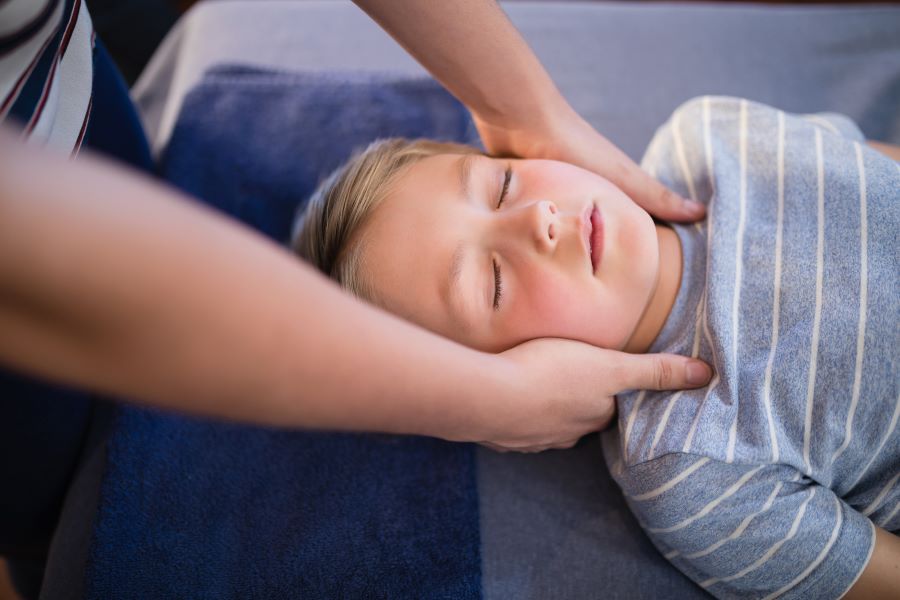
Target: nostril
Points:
(552, 209)
(550, 231)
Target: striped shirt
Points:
(769, 481)
(46, 70)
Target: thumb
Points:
(664, 372)
(651, 195)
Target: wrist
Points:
(544, 133)
(487, 392)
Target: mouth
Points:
(596, 238)
(593, 235)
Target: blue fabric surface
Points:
(256, 143)
(190, 508)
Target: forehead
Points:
(412, 240)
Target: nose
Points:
(541, 224)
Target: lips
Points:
(592, 230)
(596, 239)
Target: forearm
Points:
(471, 47)
(114, 283)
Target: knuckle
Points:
(668, 198)
(663, 373)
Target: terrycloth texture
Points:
(204, 510)
(769, 480)
(259, 166)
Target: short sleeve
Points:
(692, 148)
(742, 531)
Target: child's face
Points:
(431, 249)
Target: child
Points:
(780, 477)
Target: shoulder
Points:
(46, 69)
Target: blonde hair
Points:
(325, 233)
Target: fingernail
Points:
(698, 372)
(693, 207)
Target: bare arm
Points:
(471, 47)
(116, 283)
(881, 577)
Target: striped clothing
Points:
(46, 69)
(767, 482)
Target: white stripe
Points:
(707, 145)
(817, 120)
(74, 83)
(740, 528)
(776, 294)
(713, 384)
(887, 519)
(738, 271)
(707, 142)
(772, 550)
(682, 159)
(863, 296)
(731, 491)
(732, 437)
(884, 440)
(739, 242)
(817, 315)
(672, 482)
(630, 423)
(873, 506)
(674, 398)
(663, 422)
(818, 560)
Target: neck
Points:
(663, 297)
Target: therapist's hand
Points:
(569, 138)
(473, 49)
(565, 389)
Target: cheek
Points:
(555, 306)
(558, 306)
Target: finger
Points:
(653, 196)
(663, 372)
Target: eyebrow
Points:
(455, 296)
(464, 170)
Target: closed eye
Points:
(498, 286)
(507, 176)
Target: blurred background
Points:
(132, 29)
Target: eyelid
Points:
(507, 177)
(498, 285)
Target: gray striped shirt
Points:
(767, 482)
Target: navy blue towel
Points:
(197, 509)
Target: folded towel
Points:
(192, 508)
(256, 143)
